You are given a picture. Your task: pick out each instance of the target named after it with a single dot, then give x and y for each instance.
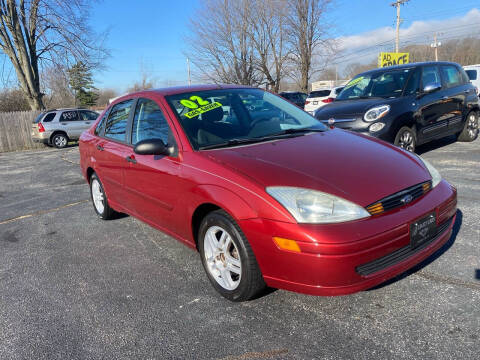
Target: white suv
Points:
(473, 72)
(57, 127)
(318, 98)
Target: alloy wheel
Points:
(406, 141)
(472, 125)
(222, 258)
(60, 141)
(97, 196)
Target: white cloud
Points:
(365, 46)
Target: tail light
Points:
(308, 102)
(328, 100)
(40, 128)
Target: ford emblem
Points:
(406, 199)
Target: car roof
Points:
(183, 89)
(408, 66)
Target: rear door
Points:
(434, 108)
(152, 182)
(458, 89)
(69, 122)
(111, 149)
(87, 118)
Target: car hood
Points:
(355, 107)
(354, 167)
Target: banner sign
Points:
(389, 59)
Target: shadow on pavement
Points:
(422, 149)
(431, 258)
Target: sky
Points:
(149, 34)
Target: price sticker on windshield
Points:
(354, 82)
(198, 106)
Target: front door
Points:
(434, 107)
(151, 181)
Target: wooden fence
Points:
(15, 128)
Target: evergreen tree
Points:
(80, 80)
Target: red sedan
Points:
(267, 194)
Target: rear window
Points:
(472, 74)
(319, 93)
(37, 119)
(49, 117)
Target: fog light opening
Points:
(376, 127)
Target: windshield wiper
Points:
(293, 132)
(231, 142)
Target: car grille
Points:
(400, 254)
(399, 199)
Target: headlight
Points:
(436, 177)
(310, 206)
(376, 113)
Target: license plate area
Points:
(315, 103)
(422, 230)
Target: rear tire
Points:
(99, 199)
(228, 258)
(406, 138)
(470, 129)
(60, 140)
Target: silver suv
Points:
(58, 127)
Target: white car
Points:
(318, 98)
(473, 72)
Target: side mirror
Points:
(431, 87)
(152, 147)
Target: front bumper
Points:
(332, 254)
(356, 124)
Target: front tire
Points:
(99, 199)
(406, 138)
(470, 129)
(228, 258)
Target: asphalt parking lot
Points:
(75, 287)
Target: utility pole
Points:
(188, 69)
(435, 45)
(397, 4)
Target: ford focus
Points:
(267, 194)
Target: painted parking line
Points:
(41, 212)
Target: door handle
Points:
(131, 159)
(87, 122)
(64, 123)
(100, 147)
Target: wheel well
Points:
(89, 174)
(198, 215)
(58, 132)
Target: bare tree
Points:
(267, 32)
(356, 68)
(13, 100)
(307, 34)
(105, 95)
(57, 92)
(220, 45)
(33, 32)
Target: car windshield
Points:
(386, 84)
(227, 117)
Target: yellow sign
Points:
(390, 59)
(203, 109)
